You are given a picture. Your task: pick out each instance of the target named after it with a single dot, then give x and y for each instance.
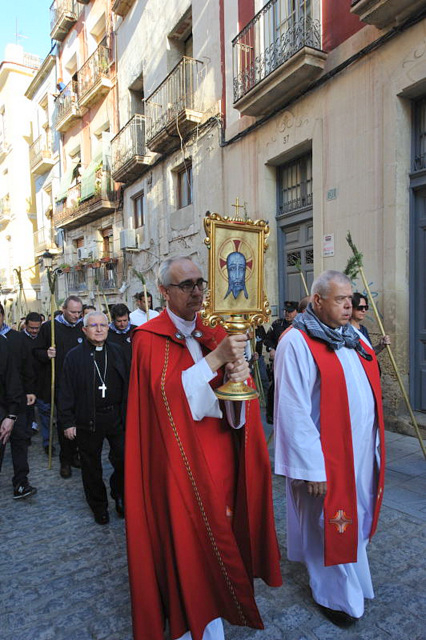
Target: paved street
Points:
(63, 577)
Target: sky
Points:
(33, 19)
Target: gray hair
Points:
(321, 285)
(90, 315)
(163, 274)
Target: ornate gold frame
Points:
(250, 307)
(255, 311)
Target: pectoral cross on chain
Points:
(102, 388)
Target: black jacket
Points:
(41, 368)
(21, 354)
(11, 391)
(76, 399)
(276, 329)
(66, 338)
(123, 340)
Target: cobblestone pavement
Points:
(63, 577)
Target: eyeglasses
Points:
(362, 307)
(97, 326)
(188, 286)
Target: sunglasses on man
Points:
(362, 307)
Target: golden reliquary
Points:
(236, 297)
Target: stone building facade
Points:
(311, 112)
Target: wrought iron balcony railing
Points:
(93, 72)
(41, 155)
(269, 40)
(107, 276)
(67, 104)
(77, 209)
(77, 280)
(63, 14)
(5, 206)
(5, 213)
(128, 150)
(4, 147)
(44, 239)
(178, 92)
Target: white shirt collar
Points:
(185, 327)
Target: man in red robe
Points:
(198, 497)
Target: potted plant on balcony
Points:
(65, 268)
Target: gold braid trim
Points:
(195, 488)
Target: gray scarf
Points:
(334, 339)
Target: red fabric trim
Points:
(340, 506)
(188, 562)
(373, 373)
(340, 541)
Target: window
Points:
(138, 210)
(184, 185)
(420, 135)
(108, 242)
(295, 184)
(78, 242)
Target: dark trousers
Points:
(20, 440)
(30, 415)
(90, 446)
(67, 448)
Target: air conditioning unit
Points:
(128, 239)
(82, 253)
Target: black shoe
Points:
(119, 506)
(23, 491)
(76, 461)
(65, 471)
(102, 518)
(339, 618)
(46, 450)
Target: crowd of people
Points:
(26, 394)
(191, 474)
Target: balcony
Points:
(122, 7)
(41, 155)
(107, 275)
(174, 109)
(275, 57)
(4, 148)
(68, 109)
(84, 204)
(385, 13)
(44, 240)
(94, 77)
(63, 15)
(128, 151)
(77, 279)
(5, 214)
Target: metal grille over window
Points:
(296, 185)
(293, 258)
(309, 256)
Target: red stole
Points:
(340, 504)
